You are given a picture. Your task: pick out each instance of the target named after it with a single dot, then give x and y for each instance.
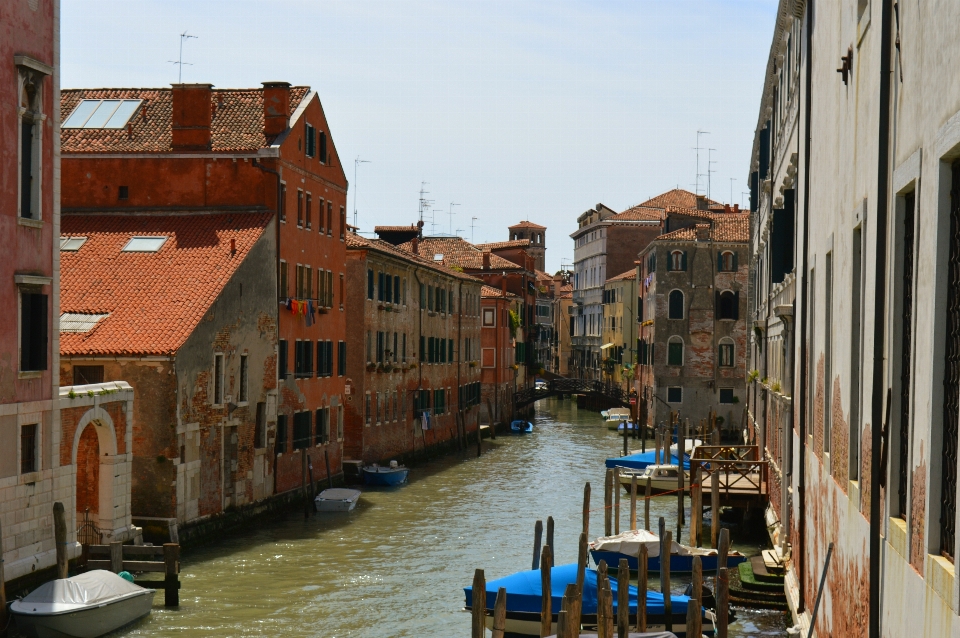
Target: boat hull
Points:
(657, 485)
(336, 500)
(386, 476)
(519, 623)
(678, 564)
(90, 622)
(521, 427)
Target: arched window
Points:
(725, 356)
(727, 305)
(676, 305)
(727, 261)
(678, 260)
(675, 352)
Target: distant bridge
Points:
(609, 392)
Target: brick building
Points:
(536, 235)
(499, 370)
(177, 306)
(235, 154)
(414, 339)
(693, 304)
(563, 319)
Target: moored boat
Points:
(378, 475)
(663, 478)
(521, 427)
(627, 545)
(614, 417)
(88, 605)
(524, 600)
(336, 499)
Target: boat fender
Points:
(393, 465)
(126, 576)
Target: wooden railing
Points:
(737, 467)
(136, 558)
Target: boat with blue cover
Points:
(641, 460)
(521, 427)
(378, 475)
(627, 545)
(524, 600)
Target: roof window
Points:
(79, 321)
(72, 244)
(144, 244)
(102, 114)
(438, 257)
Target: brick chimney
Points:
(703, 232)
(415, 245)
(736, 208)
(276, 107)
(191, 117)
(701, 202)
(486, 260)
(726, 208)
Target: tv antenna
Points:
(450, 213)
(180, 62)
(698, 149)
(357, 162)
(732, 180)
(472, 219)
(710, 171)
(425, 204)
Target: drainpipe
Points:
(802, 426)
(880, 289)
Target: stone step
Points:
(749, 581)
(773, 562)
(761, 574)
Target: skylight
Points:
(72, 243)
(102, 114)
(438, 257)
(144, 244)
(79, 321)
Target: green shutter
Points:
(683, 261)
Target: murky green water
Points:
(397, 565)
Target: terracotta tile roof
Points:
(153, 300)
(527, 224)
(639, 213)
(395, 229)
(458, 252)
(489, 291)
(237, 122)
(543, 276)
(630, 274)
(513, 243)
(357, 242)
(566, 288)
(674, 197)
(724, 227)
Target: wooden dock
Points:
(734, 472)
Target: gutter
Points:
(880, 289)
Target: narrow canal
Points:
(398, 564)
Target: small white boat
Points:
(615, 416)
(85, 606)
(337, 499)
(663, 478)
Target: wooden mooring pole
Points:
(586, 508)
(623, 598)
(581, 563)
(499, 611)
(546, 598)
(478, 608)
(616, 500)
(714, 506)
(607, 502)
(646, 505)
(60, 537)
(171, 580)
(666, 543)
(642, 558)
(550, 533)
(723, 603)
(633, 501)
(537, 536)
(722, 552)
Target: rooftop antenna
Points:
(698, 149)
(450, 213)
(425, 205)
(472, 219)
(732, 180)
(742, 193)
(180, 62)
(709, 170)
(459, 230)
(357, 162)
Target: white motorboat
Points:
(615, 416)
(337, 499)
(663, 478)
(85, 606)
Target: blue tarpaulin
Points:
(524, 593)
(641, 460)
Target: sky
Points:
(509, 110)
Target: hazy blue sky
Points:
(514, 110)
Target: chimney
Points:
(736, 208)
(701, 202)
(276, 108)
(191, 117)
(415, 245)
(703, 232)
(726, 208)
(486, 260)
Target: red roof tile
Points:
(638, 213)
(458, 252)
(630, 274)
(527, 224)
(355, 241)
(724, 227)
(489, 291)
(154, 300)
(497, 245)
(237, 121)
(674, 197)
(395, 229)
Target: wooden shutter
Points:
(736, 305)
(683, 261)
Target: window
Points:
(28, 448)
(301, 430)
(951, 377)
(144, 244)
(675, 311)
(283, 202)
(320, 226)
(450, 350)
(260, 431)
(303, 359)
(123, 192)
(396, 289)
(726, 354)
(282, 281)
(282, 359)
(367, 412)
(309, 216)
(726, 395)
(727, 305)
(243, 379)
(380, 286)
(281, 443)
(322, 143)
(369, 283)
(343, 223)
(112, 114)
(33, 331)
(71, 244)
(403, 355)
(339, 422)
(299, 208)
(329, 219)
(311, 146)
(675, 352)
(388, 293)
(674, 395)
(727, 261)
(323, 425)
(438, 401)
(342, 358)
(678, 260)
(330, 289)
(321, 354)
(341, 291)
(84, 375)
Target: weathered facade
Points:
(620, 327)
(177, 306)
(693, 301)
(537, 236)
(498, 368)
(414, 339)
(564, 321)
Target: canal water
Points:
(397, 565)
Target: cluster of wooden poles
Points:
(568, 620)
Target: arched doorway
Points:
(94, 455)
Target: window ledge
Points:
(29, 477)
(939, 575)
(898, 536)
(32, 223)
(30, 374)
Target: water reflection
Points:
(396, 566)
